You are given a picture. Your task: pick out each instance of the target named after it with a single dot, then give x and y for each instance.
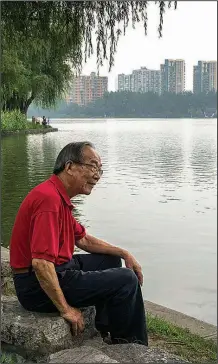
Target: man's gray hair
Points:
(71, 152)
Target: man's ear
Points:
(69, 168)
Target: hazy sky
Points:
(189, 33)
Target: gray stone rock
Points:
(7, 286)
(84, 354)
(19, 359)
(36, 334)
(134, 353)
(5, 265)
(4, 253)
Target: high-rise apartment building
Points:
(141, 80)
(124, 82)
(205, 77)
(173, 76)
(86, 89)
(151, 80)
(137, 81)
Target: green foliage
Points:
(146, 105)
(8, 358)
(181, 341)
(37, 70)
(45, 42)
(79, 20)
(13, 120)
(138, 105)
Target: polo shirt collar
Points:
(61, 189)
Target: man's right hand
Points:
(48, 280)
(75, 317)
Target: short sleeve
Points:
(79, 230)
(44, 239)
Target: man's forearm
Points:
(91, 244)
(48, 280)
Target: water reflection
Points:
(169, 161)
(14, 183)
(144, 161)
(203, 160)
(41, 156)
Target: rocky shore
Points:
(47, 337)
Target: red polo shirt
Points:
(44, 227)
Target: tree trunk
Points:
(26, 104)
(17, 103)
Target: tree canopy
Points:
(45, 42)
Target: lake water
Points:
(157, 198)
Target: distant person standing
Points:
(48, 121)
(44, 121)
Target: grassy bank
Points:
(171, 338)
(15, 120)
(181, 342)
(8, 358)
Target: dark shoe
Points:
(106, 337)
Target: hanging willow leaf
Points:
(46, 38)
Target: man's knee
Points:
(128, 277)
(127, 282)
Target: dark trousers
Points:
(94, 280)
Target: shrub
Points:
(14, 120)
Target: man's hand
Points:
(75, 318)
(93, 245)
(132, 263)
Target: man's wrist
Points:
(63, 310)
(124, 254)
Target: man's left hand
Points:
(132, 263)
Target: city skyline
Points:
(189, 33)
(170, 76)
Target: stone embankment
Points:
(48, 338)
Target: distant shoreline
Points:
(28, 131)
(125, 118)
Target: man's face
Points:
(87, 173)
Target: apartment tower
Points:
(205, 77)
(173, 76)
(87, 89)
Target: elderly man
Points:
(49, 277)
